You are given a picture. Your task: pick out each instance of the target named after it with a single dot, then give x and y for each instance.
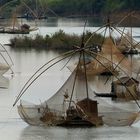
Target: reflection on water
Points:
(56, 22)
(61, 133)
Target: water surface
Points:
(25, 64)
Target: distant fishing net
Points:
(108, 61)
(112, 53)
(127, 42)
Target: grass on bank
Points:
(58, 41)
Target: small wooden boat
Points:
(17, 27)
(22, 29)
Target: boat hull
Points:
(33, 115)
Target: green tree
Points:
(111, 6)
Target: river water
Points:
(25, 64)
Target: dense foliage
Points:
(75, 7)
(92, 7)
(58, 41)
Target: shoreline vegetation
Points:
(72, 7)
(58, 41)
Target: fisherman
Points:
(66, 96)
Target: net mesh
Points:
(127, 42)
(109, 59)
(111, 116)
(113, 54)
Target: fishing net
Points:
(112, 53)
(30, 113)
(75, 104)
(127, 42)
(109, 60)
(113, 116)
(70, 103)
(13, 22)
(109, 115)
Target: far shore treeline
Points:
(70, 7)
(58, 41)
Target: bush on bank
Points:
(58, 41)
